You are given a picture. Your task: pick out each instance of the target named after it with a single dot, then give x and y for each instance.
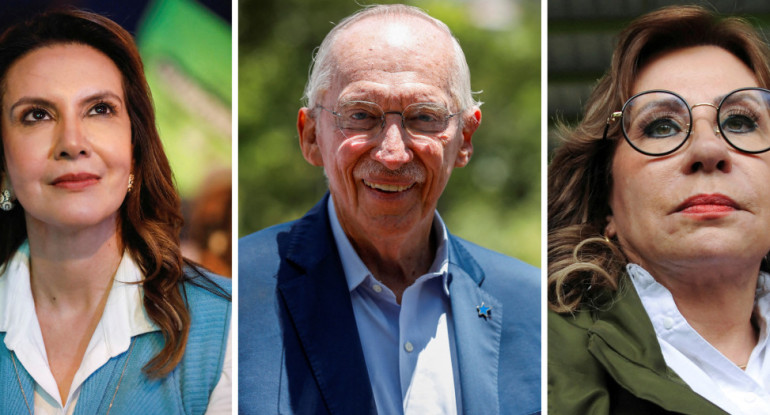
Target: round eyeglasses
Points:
(356, 118)
(658, 122)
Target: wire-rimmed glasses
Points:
(658, 122)
(356, 118)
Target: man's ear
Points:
(470, 124)
(306, 124)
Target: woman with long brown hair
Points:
(658, 218)
(99, 311)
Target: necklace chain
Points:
(120, 379)
(114, 394)
(23, 395)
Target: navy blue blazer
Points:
(299, 351)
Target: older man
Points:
(367, 304)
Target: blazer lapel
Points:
(477, 338)
(317, 298)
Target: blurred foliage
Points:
(187, 54)
(494, 201)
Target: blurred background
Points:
(186, 47)
(582, 34)
(494, 201)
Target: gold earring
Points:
(130, 182)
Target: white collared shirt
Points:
(409, 348)
(123, 318)
(707, 371)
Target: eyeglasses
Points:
(356, 118)
(658, 122)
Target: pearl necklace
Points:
(109, 408)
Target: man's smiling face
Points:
(389, 179)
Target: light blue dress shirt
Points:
(409, 348)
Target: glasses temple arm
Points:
(615, 115)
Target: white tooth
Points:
(387, 187)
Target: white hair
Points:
(322, 66)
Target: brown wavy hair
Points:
(583, 266)
(150, 217)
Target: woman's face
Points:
(67, 137)
(705, 205)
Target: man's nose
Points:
(392, 151)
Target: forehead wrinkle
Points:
(392, 95)
(376, 47)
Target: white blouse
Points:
(707, 371)
(123, 318)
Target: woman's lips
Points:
(707, 203)
(74, 181)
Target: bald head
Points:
(394, 52)
(390, 38)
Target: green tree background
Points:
(494, 201)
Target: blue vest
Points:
(185, 390)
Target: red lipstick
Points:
(75, 181)
(708, 204)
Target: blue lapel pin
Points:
(484, 311)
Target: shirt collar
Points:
(17, 306)
(355, 269)
(708, 372)
(124, 315)
(125, 304)
(656, 298)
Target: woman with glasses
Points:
(659, 227)
(99, 312)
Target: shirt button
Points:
(377, 288)
(668, 322)
(408, 347)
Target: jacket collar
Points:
(318, 282)
(315, 293)
(623, 341)
(477, 338)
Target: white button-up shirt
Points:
(707, 371)
(123, 318)
(409, 348)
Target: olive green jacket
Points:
(609, 361)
